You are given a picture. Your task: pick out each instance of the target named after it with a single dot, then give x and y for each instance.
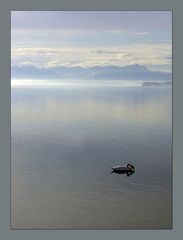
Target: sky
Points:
(47, 39)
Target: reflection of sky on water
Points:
(129, 113)
(91, 105)
(64, 142)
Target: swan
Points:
(129, 169)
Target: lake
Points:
(64, 141)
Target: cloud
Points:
(169, 59)
(115, 31)
(144, 54)
(142, 33)
(107, 51)
(27, 63)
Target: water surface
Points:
(64, 141)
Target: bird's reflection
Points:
(127, 173)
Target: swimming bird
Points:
(129, 169)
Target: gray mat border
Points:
(5, 121)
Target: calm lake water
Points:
(64, 141)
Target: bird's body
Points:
(129, 169)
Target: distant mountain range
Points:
(156, 84)
(131, 72)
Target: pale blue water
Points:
(64, 142)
